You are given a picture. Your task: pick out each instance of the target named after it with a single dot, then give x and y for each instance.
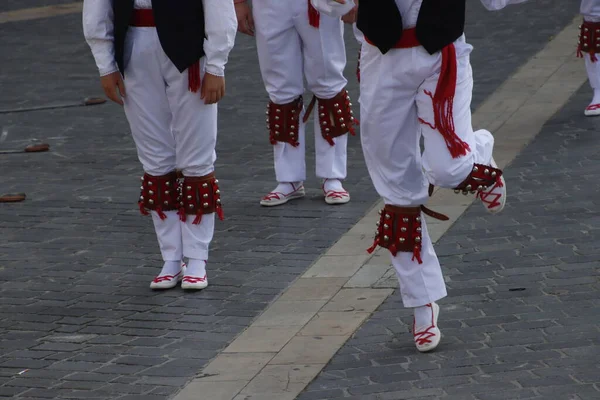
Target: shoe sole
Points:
(273, 203)
(192, 286)
(337, 201)
(591, 113)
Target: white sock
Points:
(423, 316)
(333, 184)
(596, 99)
(170, 268)
(287, 187)
(196, 268)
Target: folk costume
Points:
(294, 42)
(163, 49)
(416, 80)
(589, 49)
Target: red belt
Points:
(142, 18)
(443, 99)
(407, 41)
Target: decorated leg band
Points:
(589, 39)
(283, 121)
(158, 193)
(336, 117)
(199, 196)
(480, 179)
(399, 229)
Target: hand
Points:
(213, 88)
(244, 17)
(350, 17)
(110, 83)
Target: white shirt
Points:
(220, 29)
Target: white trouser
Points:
(289, 48)
(172, 129)
(393, 99)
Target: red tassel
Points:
(579, 52)
(443, 103)
(142, 208)
(182, 215)
(194, 77)
(371, 249)
(161, 214)
(220, 212)
(198, 218)
(314, 18)
(417, 255)
(593, 57)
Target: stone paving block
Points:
(218, 390)
(313, 289)
(235, 366)
(357, 300)
(289, 313)
(334, 323)
(261, 339)
(367, 276)
(309, 350)
(336, 266)
(284, 379)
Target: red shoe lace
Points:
(164, 278)
(336, 195)
(593, 107)
(423, 337)
(490, 198)
(273, 196)
(194, 279)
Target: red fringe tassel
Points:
(194, 77)
(371, 249)
(314, 18)
(142, 208)
(182, 215)
(443, 103)
(198, 218)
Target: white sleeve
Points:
(220, 24)
(332, 8)
(98, 31)
(494, 5)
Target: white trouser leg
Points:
(146, 104)
(197, 238)
(390, 141)
(443, 170)
(280, 60)
(147, 110)
(168, 233)
(195, 130)
(324, 62)
(593, 72)
(330, 161)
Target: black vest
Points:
(180, 28)
(440, 23)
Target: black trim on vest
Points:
(440, 23)
(179, 25)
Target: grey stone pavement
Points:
(77, 319)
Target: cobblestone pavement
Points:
(76, 317)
